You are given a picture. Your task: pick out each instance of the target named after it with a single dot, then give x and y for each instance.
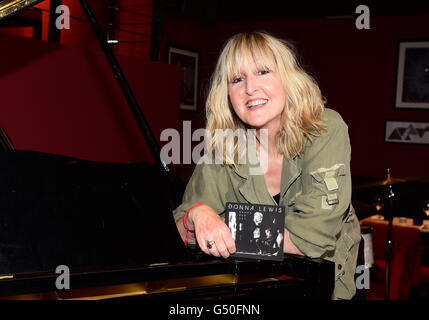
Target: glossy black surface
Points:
(56, 210)
(108, 222)
(308, 278)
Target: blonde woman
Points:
(303, 151)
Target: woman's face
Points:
(257, 218)
(257, 96)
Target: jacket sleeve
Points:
(207, 184)
(319, 210)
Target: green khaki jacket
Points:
(315, 190)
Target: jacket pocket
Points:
(328, 183)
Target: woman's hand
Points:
(209, 226)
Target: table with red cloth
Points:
(411, 248)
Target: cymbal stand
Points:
(389, 242)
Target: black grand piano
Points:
(109, 227)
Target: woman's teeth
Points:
(256, 103)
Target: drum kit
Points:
(384, 200)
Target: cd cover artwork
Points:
(258, 230)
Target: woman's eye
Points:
(236, 80)
(262, 72)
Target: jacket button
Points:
(339, 267)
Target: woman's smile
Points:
(256, 103)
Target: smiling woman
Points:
(258, 86)
(258, 97)
(253, 66)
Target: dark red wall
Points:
(65, 100)
(202, 37)
(355, 70)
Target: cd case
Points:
(258, 230)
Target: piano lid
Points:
(10, 7)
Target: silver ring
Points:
(209, 244)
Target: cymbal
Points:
(384, 182)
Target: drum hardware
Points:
(389, 242)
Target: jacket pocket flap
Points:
(329, 176)
(336, 170)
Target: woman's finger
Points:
(202, 242)
(213, 250)
(222, 250)
(229, 242)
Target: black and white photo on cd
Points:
(257, 234)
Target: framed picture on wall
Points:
(412, 132)
(412, 75)
(187, 60)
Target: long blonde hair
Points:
(304, 105)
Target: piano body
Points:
(111, 225)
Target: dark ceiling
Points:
(220, 10)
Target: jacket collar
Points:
(291, 170)
(253, 187)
